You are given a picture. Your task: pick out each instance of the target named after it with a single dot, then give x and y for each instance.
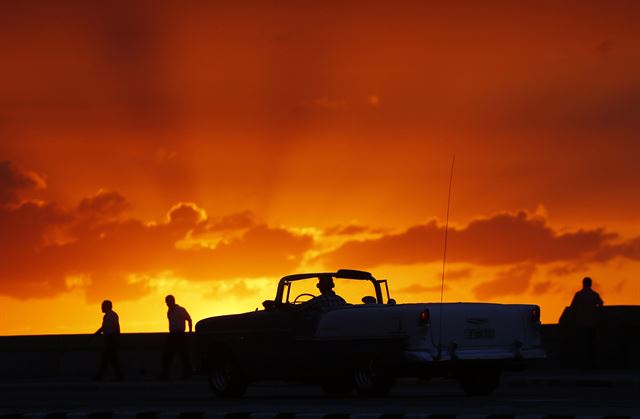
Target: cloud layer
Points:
(14, 180)
(44, 245)
(517, 243)
(512, 281)
(503, 239)
(95, 245)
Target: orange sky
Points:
(206, 149)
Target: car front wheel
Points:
(226, 379)
(371, 378)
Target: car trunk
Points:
(461, 329)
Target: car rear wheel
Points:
(226, 379)
(371, 378)
(479, 381)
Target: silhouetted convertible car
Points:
(366, 346)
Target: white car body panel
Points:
(455, 331)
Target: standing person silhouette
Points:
(110, 331)
(177, 339)
(585, 304)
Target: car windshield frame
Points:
(340, 274)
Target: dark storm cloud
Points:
(504, 239)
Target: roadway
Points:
(517, 395)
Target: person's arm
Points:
(101, 327)
(189, 321)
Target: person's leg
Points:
(592, 348)
(167, 355)
(104, 356)
(184, 356)
(115, 361)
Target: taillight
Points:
(424, 317)
(535, 314)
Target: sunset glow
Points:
(206, 149)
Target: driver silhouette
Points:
(327, 299)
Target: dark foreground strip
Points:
(273, 415)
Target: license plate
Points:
(480, 333)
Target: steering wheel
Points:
(295, 300)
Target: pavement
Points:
(569, 377)
(528, 394)
(586, 378)
(285, 415)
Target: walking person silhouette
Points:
(110, 330)
(177, 341)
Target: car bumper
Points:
(425, 356)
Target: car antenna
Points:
(444, 256)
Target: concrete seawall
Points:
(69, 356)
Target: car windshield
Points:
(351, 290)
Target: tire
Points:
(371, 378)
(337, 386)
(479, 381)
(226, 378)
